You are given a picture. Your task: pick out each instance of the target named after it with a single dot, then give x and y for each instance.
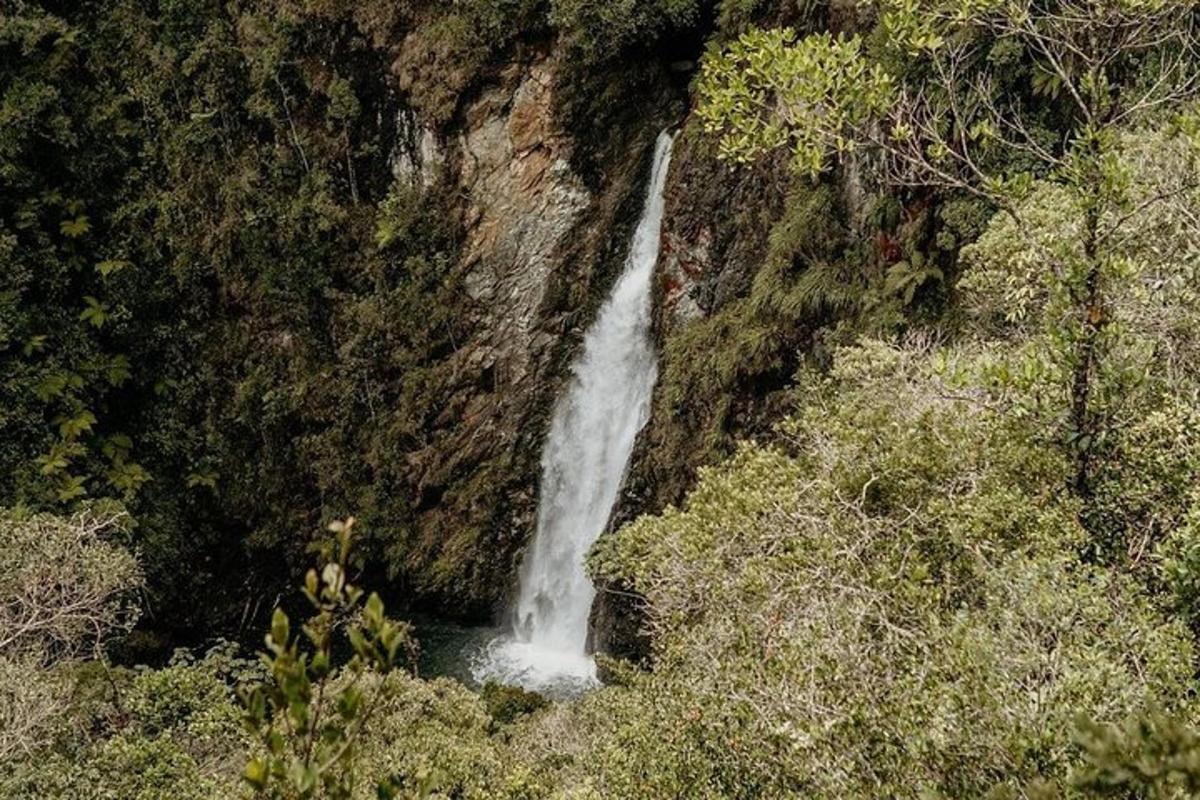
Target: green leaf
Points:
(74, 228)
(202, 478)
(127, 476)
(359, 642)
(304, 777)
(117, 446)
(35, 344)
(94, 312)
(74, 427)
(255, 773)
(280, 629)
(164, 385)
(54, 461)
(111, 266)
(51, 387)
(118, 371)
(70, 487)
(350, 703)
(374, 609)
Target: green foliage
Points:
(70, 728)
(307, 723)
(1178, 565)
(507, 704)
(436, 739)
(66, 582)
(814, 282)
(889, 602)
(870, 611)
(734, 16)
(1152, 757)
(457, 44)
(927, 104)
(172, 732)
(206, 261)
(709, 364)
(771, 89)
(1025, 282)
(67, 587)
(603, 30)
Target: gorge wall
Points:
(544, 226)
(547, 159)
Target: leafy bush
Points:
(602, 30)
(171, 732)
(895, 608)
(310, 713)
(507, 704)
(1151, 756)
(65, 582)
(1023, 285)
(66, 587)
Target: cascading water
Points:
(583, 464)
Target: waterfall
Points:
(592, 435)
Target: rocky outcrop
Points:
(524, 200)
(419, 155)
(717, 219)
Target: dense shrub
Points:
(66, 587)
(897, 608)
(604, 29)
(212, 291)
(173, 732)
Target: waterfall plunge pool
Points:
(478, 655)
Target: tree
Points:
(65, 589)
(983, 97)
(1143, 462)
(602, 29)
(64, 585)
(309, 716)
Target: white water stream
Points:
(586, 454)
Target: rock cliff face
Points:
(524, 201)
(540, 247)
(717, 220)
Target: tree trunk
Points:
(1091, 321)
